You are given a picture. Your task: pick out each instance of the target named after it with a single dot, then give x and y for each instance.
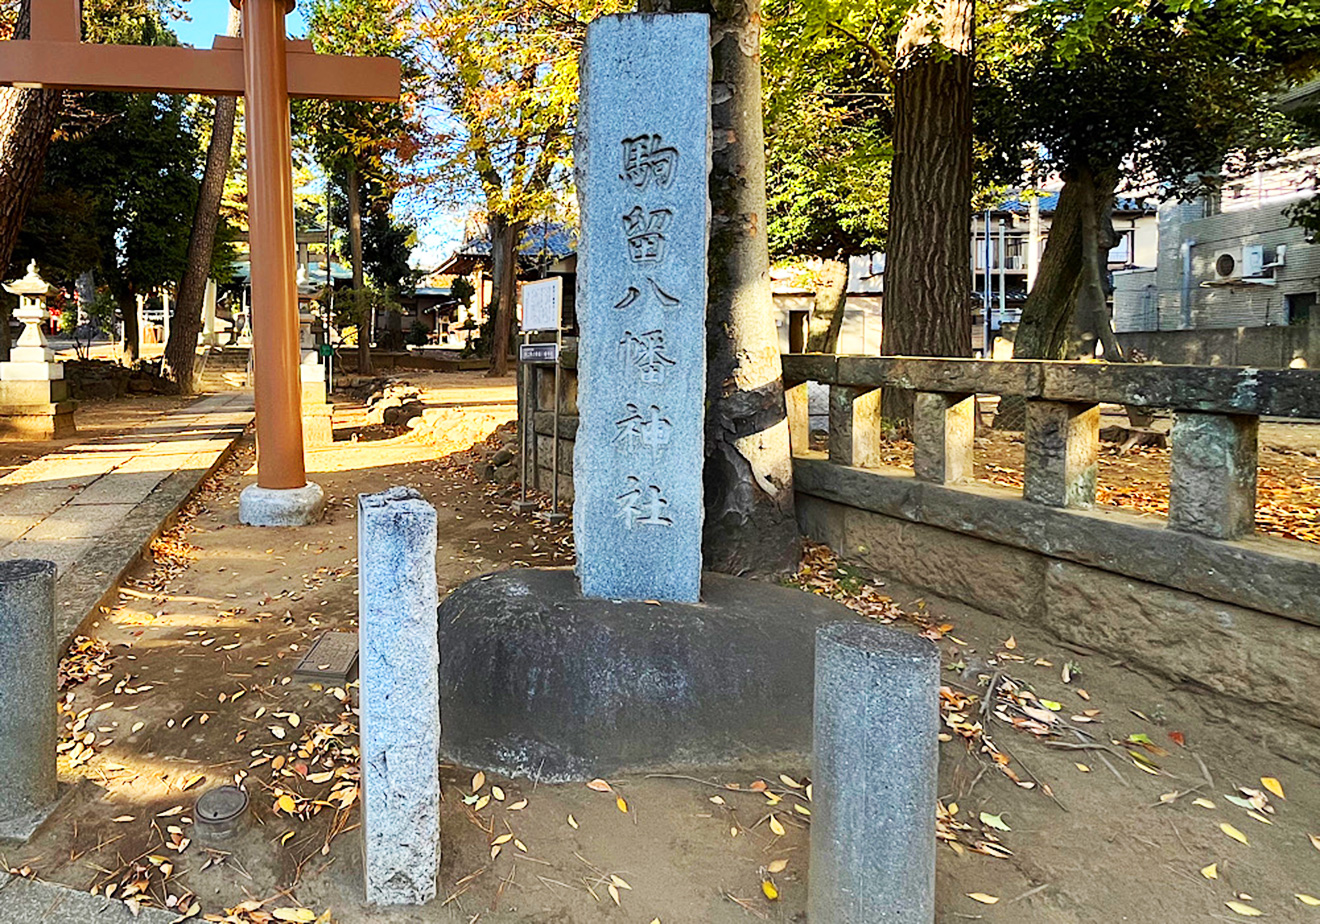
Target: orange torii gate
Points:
(266, 69)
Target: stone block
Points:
(28, 662)
(642, 158)
(875, 775)
(258, 506)
(1212, 474)
(400, 711)
(1062, 451)
(540, 681)
(855, 429)
(943, 430)
(318, 421)
(1262, 665)
(1005, 580)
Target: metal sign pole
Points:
(554, 516)
(527, 424)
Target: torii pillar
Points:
(282, 495)
(266, 69)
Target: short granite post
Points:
(875, 776)
(854, 425)
(1062, 452)
(943, 427)
(28, 663)
(399, 669)
(1212, 474)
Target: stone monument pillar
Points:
(210, 336)
(642, 158)
(34, 398)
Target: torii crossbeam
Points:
(266, 69)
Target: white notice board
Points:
(542, 304)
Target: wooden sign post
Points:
(266, 68)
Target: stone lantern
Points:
(34, 398)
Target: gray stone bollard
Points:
(399, 669)
(876, 771)
(28, 665)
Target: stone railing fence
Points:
(1212, 481)
(1197, 597)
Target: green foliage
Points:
(418, 334)
(378, 139)
(1168, 90)
(354, 307)
(827, 130)
(463, 290)
(504, 72)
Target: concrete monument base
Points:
(538, 681)
(258, 506)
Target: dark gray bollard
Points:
(876, 771)
(28, 663)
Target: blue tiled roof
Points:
(1021, 205)
(545, 238)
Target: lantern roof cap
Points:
(32, 284)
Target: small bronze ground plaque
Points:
(332, 659)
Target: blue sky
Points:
(438, 231)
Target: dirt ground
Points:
(187, 683)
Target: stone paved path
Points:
(93, 507)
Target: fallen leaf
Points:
(619, 881)
(600, 786)
(768, 890)
(994, 821)
(481, 803)
(622, 804)
(297, 915)
(1308, 899)
(614, 894)
(497, 793)
(983, 898)
(1245, 910)
(1211, 871)
(777, 866)
(789, 781)
(478, 780)
(286, 804)
(279, 732)
(518, 806)
(502, 839)
(1178, 738)
(718, 800)
(495, 851)
(1233, 832)
(1204, 803)
(1273, 786)
(122, 818)
(1010, 643)
(1083, 768)
(1315, 840)
(572, 822)
(777, 826)
(284, 839)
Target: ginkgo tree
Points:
(503, 80)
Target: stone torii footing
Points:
(266, 69)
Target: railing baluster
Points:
(854, 425)
(943, 428)
(1062, 448)
(1212, 477)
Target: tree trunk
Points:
(930, 194)
(126, 295)
(354, 190)
(504, 237)
(181, 350)
(750, 521)
(1047, 326)
(27, 121)
(827, 313)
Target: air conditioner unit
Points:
(1226, 266)
(1253, 261)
